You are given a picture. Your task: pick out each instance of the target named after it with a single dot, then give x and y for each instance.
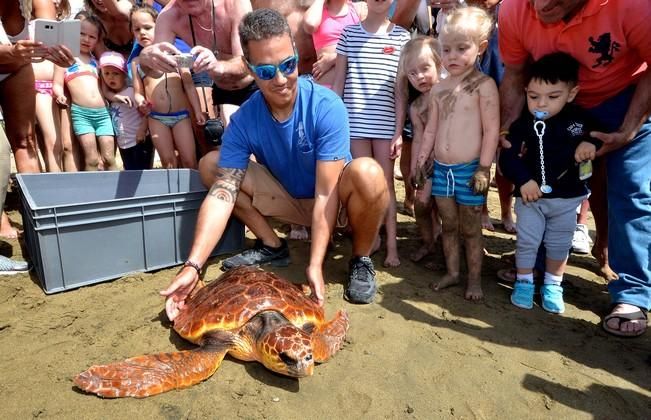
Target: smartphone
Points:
(52, 32)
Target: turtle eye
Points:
(287, 359)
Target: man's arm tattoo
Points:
(227, 184)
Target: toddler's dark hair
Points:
(554, 68)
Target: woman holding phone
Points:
(17, 93)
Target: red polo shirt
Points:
(610, 38)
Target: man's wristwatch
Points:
(192, 264)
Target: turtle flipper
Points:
(328, 338)
(143, 376)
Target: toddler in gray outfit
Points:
(548, 162)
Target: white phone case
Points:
(51, 32)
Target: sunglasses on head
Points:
(268, 71)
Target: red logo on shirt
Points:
(388, 50)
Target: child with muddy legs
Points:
(462, 129)
(419, 68)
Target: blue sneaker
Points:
(522, 295)
(552, 298)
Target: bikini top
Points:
(124, 49)
(81, 69)
(332, 26)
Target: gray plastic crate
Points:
(87, 227)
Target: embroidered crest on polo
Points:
(575, 129)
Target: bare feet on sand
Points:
(486, 223)
(7, 231)
(509, 225)
(473, 290)
(604, 268)
(422, 252)
(392, 260)
(447, 281)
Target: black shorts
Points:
(232, 97)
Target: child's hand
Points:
(144, 107)
(396, 147)
(530, 192)
(585, 151)
(421, 174)
(123, 99)
(201, 118)
(480, 180)
(323, 64)
(62, 101)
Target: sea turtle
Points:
(249, 313)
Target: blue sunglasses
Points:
(268, 71)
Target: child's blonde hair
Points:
(473, 22)
(415, 45)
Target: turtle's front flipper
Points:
(328, 338)
(151, 374)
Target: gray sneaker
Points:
(361, 281)
(9, 266)
(260, 254)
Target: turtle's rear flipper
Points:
(328, 338)
(151, 374)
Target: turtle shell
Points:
(238, 295)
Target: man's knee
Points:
(208, 168)
(365, 176)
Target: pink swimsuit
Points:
(331, 27)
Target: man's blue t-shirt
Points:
(316, 130)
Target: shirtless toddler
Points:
(463, 131)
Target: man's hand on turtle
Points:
(315, 278)
(179, 290)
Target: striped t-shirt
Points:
(370, 79)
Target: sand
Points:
(412, 354)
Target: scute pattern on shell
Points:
(241, 294)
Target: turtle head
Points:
(287, 349)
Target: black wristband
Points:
(192, 264)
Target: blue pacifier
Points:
(540, 115)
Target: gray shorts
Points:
(550, 221)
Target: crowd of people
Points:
(320, 98)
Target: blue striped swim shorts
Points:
(451, 180)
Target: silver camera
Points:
(184, 60)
